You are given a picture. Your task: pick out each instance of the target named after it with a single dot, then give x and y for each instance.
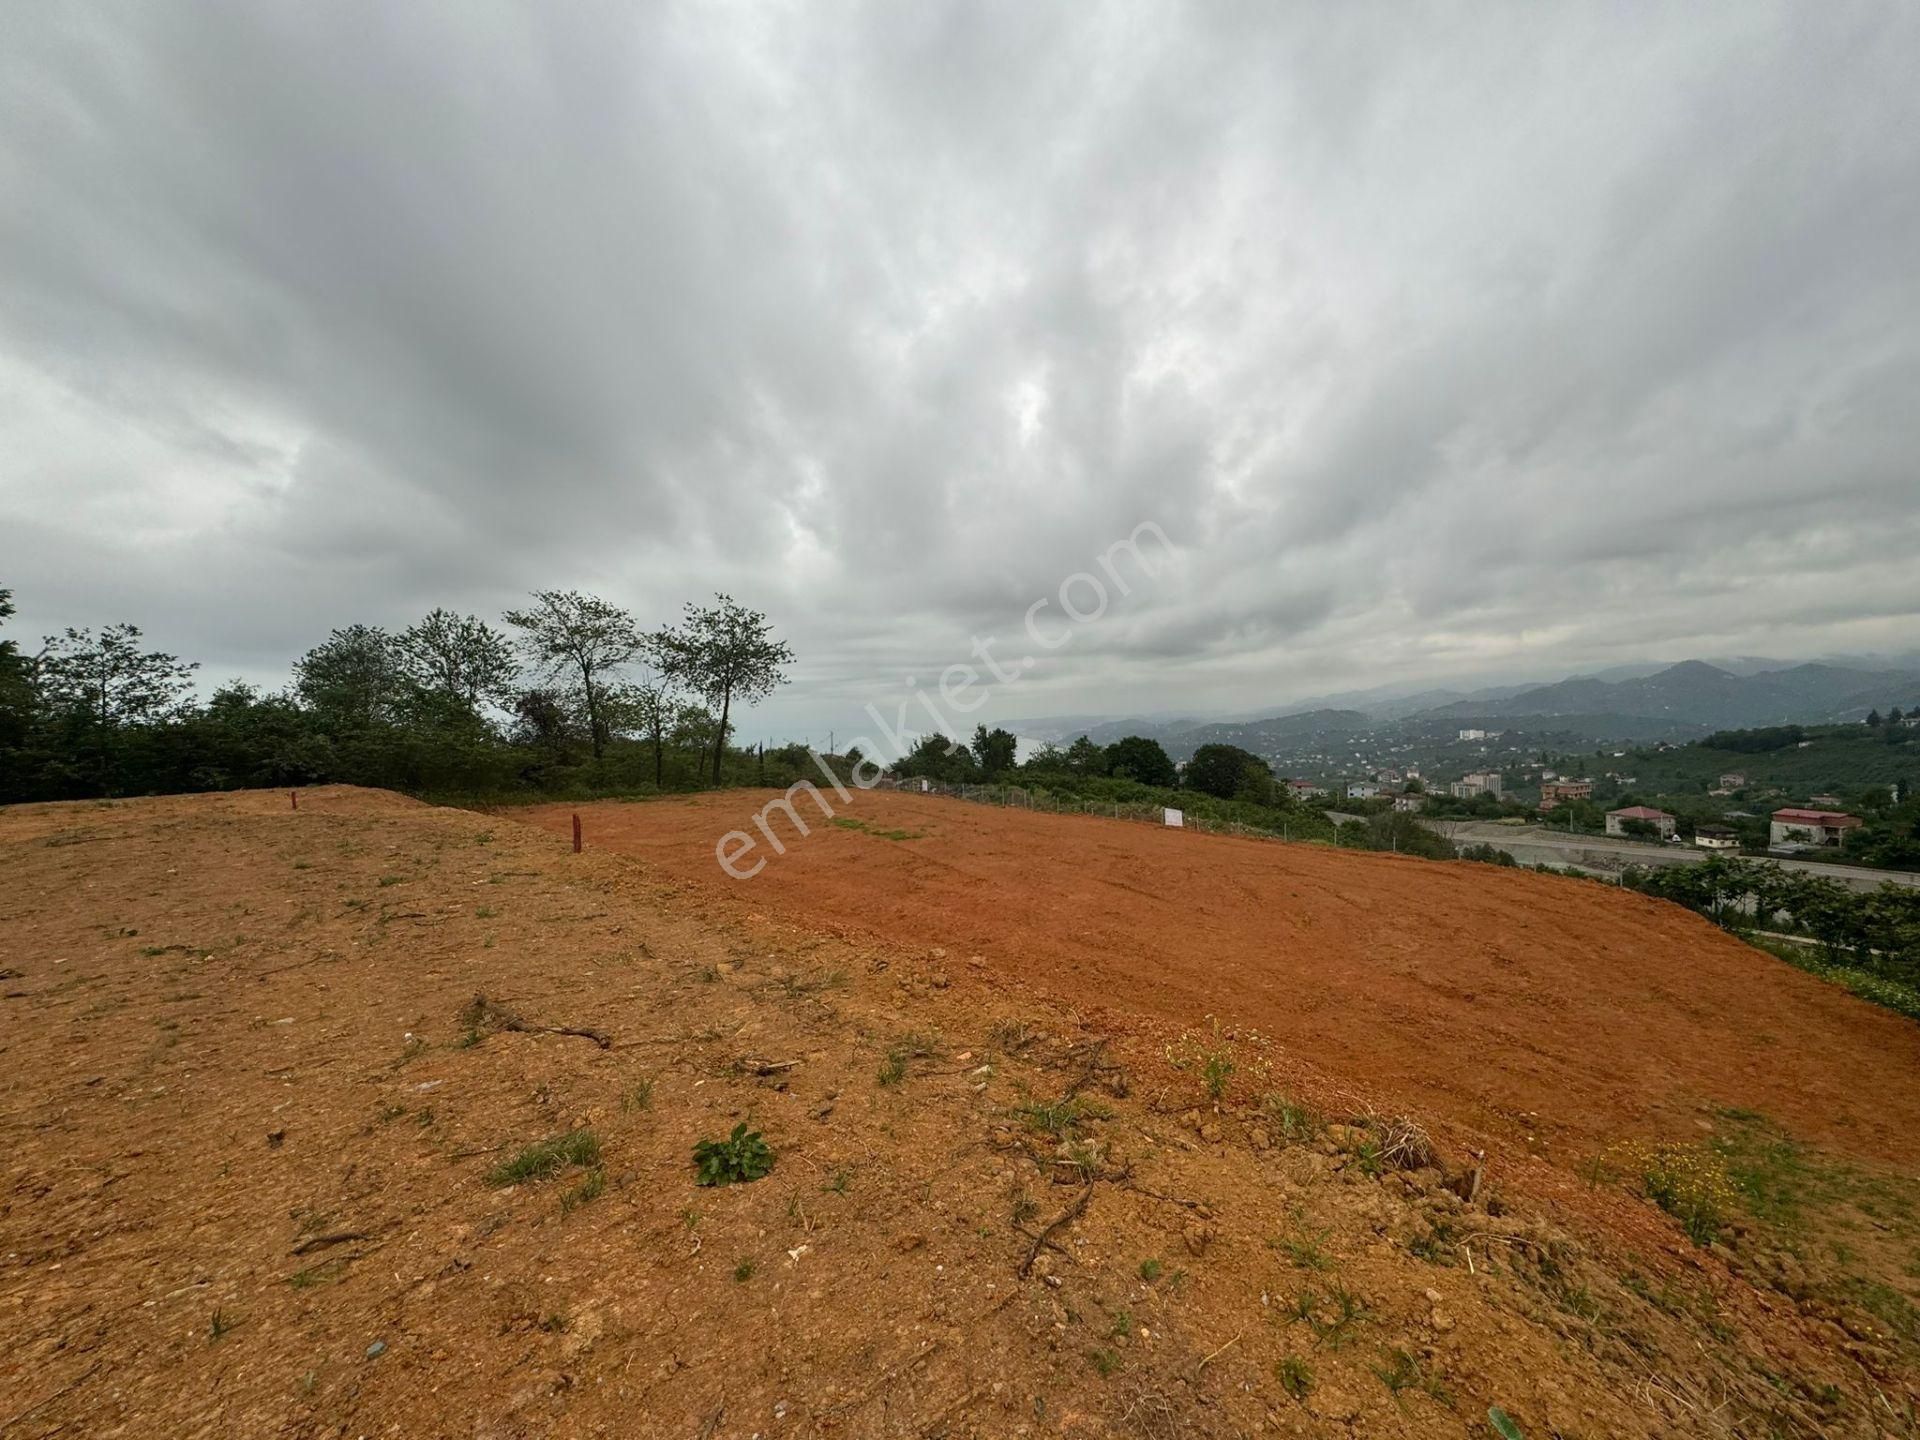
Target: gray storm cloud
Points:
(1441, 342)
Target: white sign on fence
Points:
(1177, 819)
(923, 787)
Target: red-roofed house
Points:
(1823, 829)
(1660, 820)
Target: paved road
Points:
(1603, 855)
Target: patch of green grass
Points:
(386, 880)
(1122, 1325)
(1305, 1251)
(221, 1324)
(1295, 1376)
(1150, 1270)
(1367, 1157)
(1062, 1118)
(638, 1096)
(1895, 995)
(586, 1192)
(838, 1182)
(846, 822)
(1296, 1122)
(1105, 1362)
(1400, 1370)
(1332, 1316)
(743, 1272)
(546, 1158)
(485, 912)
(325, 1273)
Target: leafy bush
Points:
(740, 1159)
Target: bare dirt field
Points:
(370, 1118)
(1538, 1012)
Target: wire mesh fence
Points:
(1020, 797)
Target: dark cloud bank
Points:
(1442, 343)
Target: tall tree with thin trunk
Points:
(105, 684)
(724, 652)
(585, 639)
(458, 657)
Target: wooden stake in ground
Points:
(294, 796)
(576, 833)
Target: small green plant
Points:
(893, 1070)
(1295, 1376)
(546, 1158)
(586, 1192)
(221, 1324)
(324, 1273)
(1399, 1370)
(1295, 1121)
(554, 1324)
(639, 1096)
(1105, 1362)
(1436, 1247)
(1150, 1270)
(1122, 1325)
(1305, 1251)
(1216, 1057)
(1367, 1157)
(1332, 1316)
(743, 1272)
(1061, 1118)
(1025, 1207)
(709, 974)
(485, 912)
(740, 1159)
(1503, 1425)
(386, 880)
(837, 1183)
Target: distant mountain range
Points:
(1645, 703)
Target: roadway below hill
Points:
(1605, 855)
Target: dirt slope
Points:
(1518, 1005)
(249, 1119)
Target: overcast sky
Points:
(1441, 341)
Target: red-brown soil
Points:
(1533, 1010)
(248, 1120)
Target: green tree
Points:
(586, 641)
(100, 687)
(353, 680)
(1226, 771)
(459, 658)
(16, 686)
(994, 749)
(1135, 757)
(1086, 758)
(724, 653)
